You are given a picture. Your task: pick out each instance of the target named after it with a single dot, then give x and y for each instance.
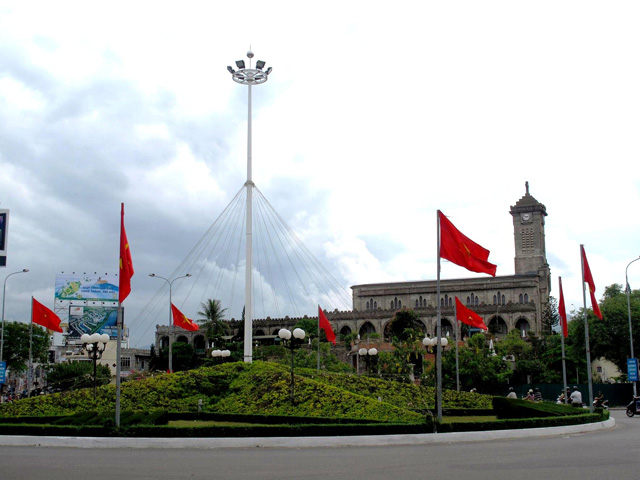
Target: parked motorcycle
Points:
(633, 407)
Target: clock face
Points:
(525, 217)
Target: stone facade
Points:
(504, 302)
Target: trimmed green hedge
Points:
(505, 408)
(264, 419)
(522, 423)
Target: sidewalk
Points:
(299, 442)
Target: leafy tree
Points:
(478, 367)
(76, 375)
(310, 327)
(407, 357)
(215, 327)
(184, 358)
(550, 317)
(608, 337)
(403, 324)
(16, 345)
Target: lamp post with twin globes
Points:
(292, 339)
(368, 355)
(94, 345)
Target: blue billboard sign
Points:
(3, 371)
(632, 369)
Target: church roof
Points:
(528, 203)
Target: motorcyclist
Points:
(600, 402)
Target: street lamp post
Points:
(249, 76)
(220, 353)
(170, 282)
(628, 288)
(433, 343)
(94, 345)
(368, 355)
(286, 335)
(4, 291)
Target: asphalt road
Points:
(612, 454)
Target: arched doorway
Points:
(498, 326)
(344, 331)
(522, 325)
(199, 344)
(447, 329)
(366, 329)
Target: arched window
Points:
(469, 301)
(503, 302)
(495, 300)
(520, 298)
(375, 305)
(451, 301)
(526, 298)
(391, 307)
(476, 301)
(369, 308)
(416, 303)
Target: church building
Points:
(504, 302)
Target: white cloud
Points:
(374, 117)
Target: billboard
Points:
(4, 236)
(86, 287)
(93, 319)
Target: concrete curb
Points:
(299, 442)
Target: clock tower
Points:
(528, 229)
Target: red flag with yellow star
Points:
(461, 250)
(181, 320)
(44, 317)
(588, 278)
(126, 264)
(468, 316)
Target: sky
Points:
(375, 116)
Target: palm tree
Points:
(213, 323)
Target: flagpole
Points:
(118, 362)
(318, 337)
(586, 332)
(455, 316)
(564, 363)
(438, 343)
(30, 352)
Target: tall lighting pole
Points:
(249, 76)
(170, 282)
(628, 288)
(4, 292)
